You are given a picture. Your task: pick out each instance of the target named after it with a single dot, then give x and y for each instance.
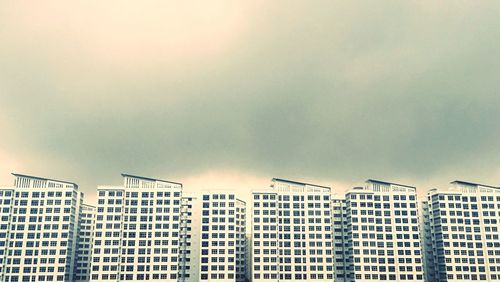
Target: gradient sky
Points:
(230, 94)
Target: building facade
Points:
(292, 232)
(464, 223)
(147, 229)
(426, 235)
(85, 243)
(383, 233)
(189, 262)
(6, 203)
(340, 236)
(137, 231)
(222, 244)
(39, 241)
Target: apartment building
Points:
(147, 229)
(292, 232)
(85, 243)
(383, 233)
(39, 229)
(189, 261)
(6, 202)
(464, 223)
(137, 231)
(340, 236)
(426, 236)
(223, 238)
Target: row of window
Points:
(128, 277)
(218, 197)
(37, 194)
(465, 199)
(412, 205)
(384, 198)
(136, 202)
(288, 276)
(136, 194)
(287, 198)
(390, 277)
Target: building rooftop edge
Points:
(472, 183)
(390, 183)
(149, 178)
(443, 191)
(43, 178)
(299, 183)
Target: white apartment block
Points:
(189, 261)
(147, 229)
(426, 237)
(212, 247)
(340, 236)
(39, 234)
(85, 243)
(6, 202)
(464, 223)
(137, 231)
(383, 233)
(222, 244)
(292, 233)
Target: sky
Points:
(229, 94)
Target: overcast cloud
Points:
(329, 91)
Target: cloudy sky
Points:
(230, 94)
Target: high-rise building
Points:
(213, 237)
(137, 231)
(265, 236)
(40, 243)
(292, 232)
(223, 230)
(426, 237)
(383, 233)
(6, 202)
(189, 261)
(464, 223)
(85, 243)
(340, 236)
(147, 229)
